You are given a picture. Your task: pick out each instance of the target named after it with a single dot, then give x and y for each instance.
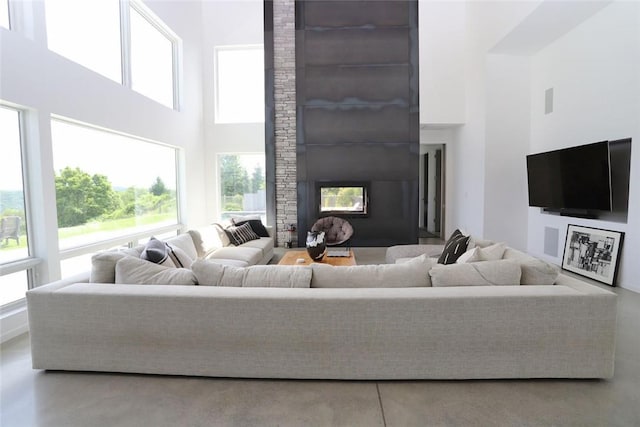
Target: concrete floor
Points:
(39, 398)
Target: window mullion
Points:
(125, 42)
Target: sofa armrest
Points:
(270, 230)
(411, 251)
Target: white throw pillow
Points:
(493, 252)
(206, 240)
(185, 242)
(481, 273)
(222, 235)
(469, 256)
(262, 276)
(135, 271)
(412, 273)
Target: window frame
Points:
(29, 263)
(125, 49)
(218, 173)
(9, 20)
(129, 238)
(162, 28)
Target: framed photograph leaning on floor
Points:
(593, 253)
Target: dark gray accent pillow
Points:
(256, 226)
(241, 234)
(157, 252)
(455, 246)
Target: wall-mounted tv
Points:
(571, 179)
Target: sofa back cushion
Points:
(136, 271)
(265, 276)
(412, 273)
(482, 273)
(534, 271)
(103, 264)
(184, 242)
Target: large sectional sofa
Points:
(322, 322)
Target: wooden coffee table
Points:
(291, 257)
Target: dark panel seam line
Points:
(384, 421)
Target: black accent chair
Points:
(337, 231)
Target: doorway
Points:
(431, 191)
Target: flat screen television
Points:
(576, 178)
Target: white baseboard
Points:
(13, 324)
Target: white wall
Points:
(506, 145)
(441, 46)
(595, 73)
(487, 22)
(225, 23)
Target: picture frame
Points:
(593, 253)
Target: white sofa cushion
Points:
(272, 276)
(136, 271)
(103, 264)
(482, 273)
(241, 253)
(232, 262)
(265, 244)
(534, 271)
(412, 273)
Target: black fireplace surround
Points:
(357, 112)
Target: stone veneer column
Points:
(284, 67)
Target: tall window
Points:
(13, 231)
(109, 185)
(13, 227)
(242, 185)
(4, 13)
(239, 84)
(151, 60)
(129, 45)
(87, 32)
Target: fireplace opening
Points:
(346, 199)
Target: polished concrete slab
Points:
(37, 398)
